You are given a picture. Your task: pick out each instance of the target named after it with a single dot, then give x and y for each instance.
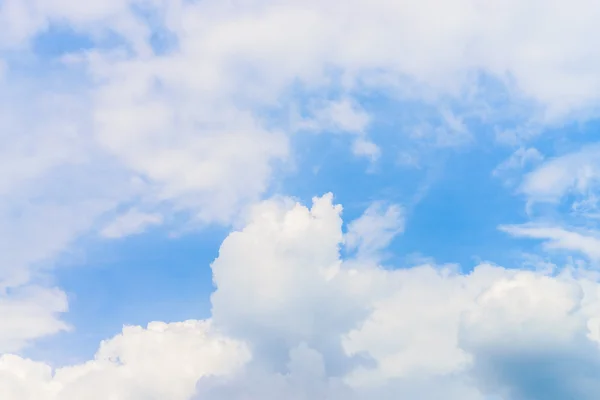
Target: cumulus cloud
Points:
(532, 338)
(158, 362)
(291, 319)
(422, 332)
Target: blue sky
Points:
(201, 200)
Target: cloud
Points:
(413, 49)
(129, 223)
(202, 123)
(531, 338)
(296, 277)
(425, 332)
(374, 230)
(512, 167)
(160, 361)
(29, 313)
(341, 116)
(52, 190)
(559, 238)
(574, 173)
(291, 319)
(164, 124)
(366, 148)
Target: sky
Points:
(257, 200)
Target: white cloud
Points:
(572, 179)
(192, 122)
(512, 167)
(574, 173)
(159, 362)
(558, 238)
(290, 319)
(531, 337)
(281, 313)
(341, 116)
(193, 149)
(29, 313)
(413, 47)
(366, 148)
(405, 332)
(588, 207)
(129, 223)
(374, 230)
(52, 190)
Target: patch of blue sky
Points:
(154, 276)
(58, 40)
(453, 203)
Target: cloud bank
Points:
(291, 319)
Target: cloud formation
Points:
(191, 106)
(576, 173)
(157, 362)
(292, 319)
(192, 100)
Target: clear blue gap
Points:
(60, 39)
(457, 219)
(131, 281)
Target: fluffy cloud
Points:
(291, 319)
(161, 361)
(535, 337)
(425, 332)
